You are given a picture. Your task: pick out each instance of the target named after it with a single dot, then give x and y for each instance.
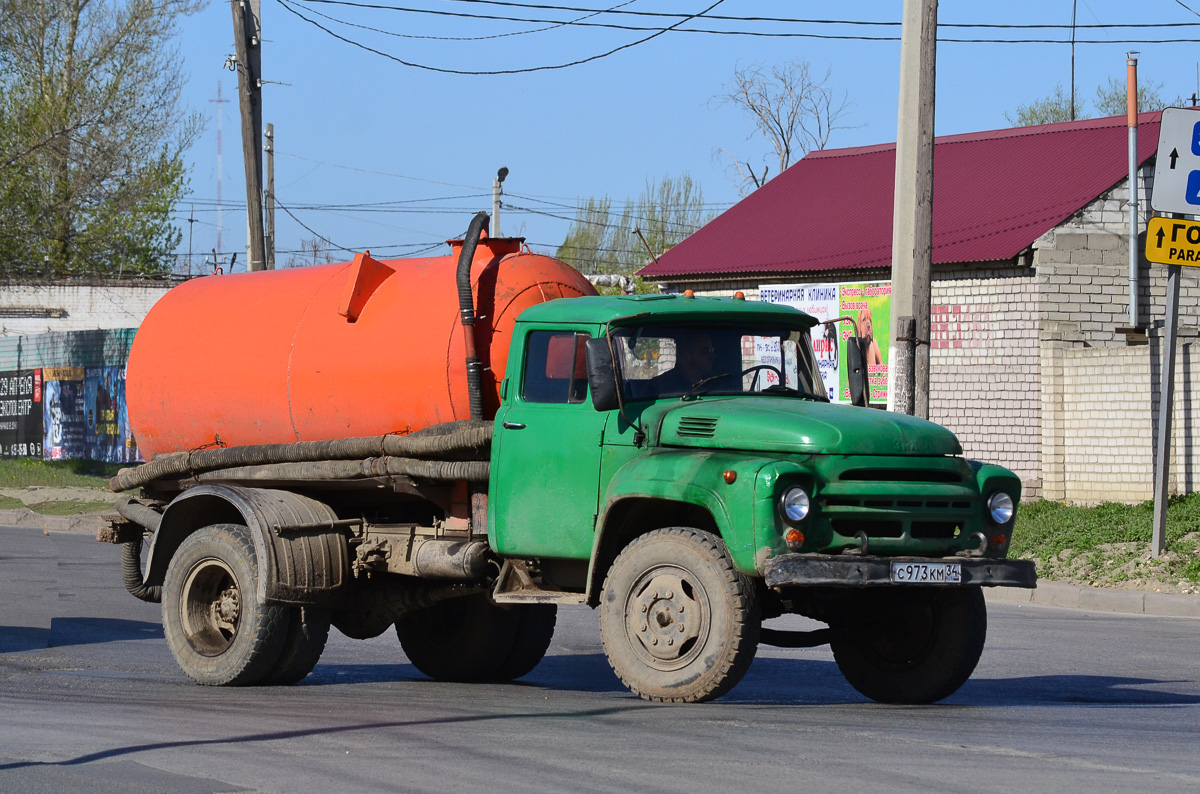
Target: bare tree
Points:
(793, 110)
(313, 251)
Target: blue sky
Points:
(356, 128)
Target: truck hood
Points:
(785, 424)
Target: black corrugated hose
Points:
(450, 442)
(466, 305)
(131, 571)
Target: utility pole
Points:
(912, 219)
(247, 38)
(269, 195)
(496, 193)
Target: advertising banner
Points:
(21, 413)
(868, 305)
(106, 431)
(64, 416)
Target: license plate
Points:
(927, 572)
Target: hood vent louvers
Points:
(697, 427)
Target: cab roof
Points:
(602, 309)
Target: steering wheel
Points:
(757, 368)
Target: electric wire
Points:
(543, 68)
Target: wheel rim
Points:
(211, 607)
(667, 617)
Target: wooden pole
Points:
(247, 39)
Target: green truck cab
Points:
(673, 461)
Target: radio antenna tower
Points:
(219, 101)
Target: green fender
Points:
(688, 477)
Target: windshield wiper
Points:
(694, 390)
(779, 388)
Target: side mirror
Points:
(856, 371)
(602, 378)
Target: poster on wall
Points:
(106, 429)
(64, 416)
(868, 306)
(21, 413)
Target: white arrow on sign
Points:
(1177, 167)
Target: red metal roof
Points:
(994, 194)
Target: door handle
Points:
(513, 426)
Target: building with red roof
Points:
(1033, 363)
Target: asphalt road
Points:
(90, 700)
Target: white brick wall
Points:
(82, 307)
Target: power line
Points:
(281, 206)
(761, 34)
(590, 12)
(553, 26)
(543, 68)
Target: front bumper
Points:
(823, 570)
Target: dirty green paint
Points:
(555, 480)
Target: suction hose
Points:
(466, 305)
(131, 551)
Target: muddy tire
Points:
(218, 632)
(679, 623)
(535, 630)
(308, 630)
(920, 646)
(462, 639)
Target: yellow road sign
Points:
(1173, 242)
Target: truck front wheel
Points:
(218, 632)
(679, 623)
(917, 646)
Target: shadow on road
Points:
(271, 736)
(76, 631)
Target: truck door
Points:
(547, 463)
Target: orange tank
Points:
(332, 351)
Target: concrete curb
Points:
(1096, 599)
(89, 522)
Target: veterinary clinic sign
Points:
(869, 308)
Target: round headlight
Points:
(1000, 505)
(795, 504)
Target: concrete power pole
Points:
(497, 191)
(912, 221)
(269, 196)
(247, 38)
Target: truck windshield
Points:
(691, 360)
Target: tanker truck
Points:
(451, 447)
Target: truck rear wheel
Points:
(679, 623)
(473, 639)
(218, 632)
(308, 630)
(462, 639)
(535, 630)
(921, 646)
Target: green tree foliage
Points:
(91, 135)
(1111, 98)
(602, 240)
(1110, 101)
